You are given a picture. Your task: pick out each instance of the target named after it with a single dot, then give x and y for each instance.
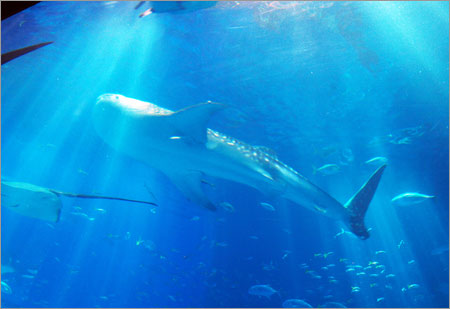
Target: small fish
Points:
(390, 276)
(317, 254)
(373, 275)
(295, 303)
(5, 288)
(400, 244)
(286, 253)
(380, 266)
(317, 277)
(262, 290)
(380, 252)
(32, 271)
(410, 198)
(267, 206)
(221, 244)
(413, 286)
(325, 255)
(100, 210)
(342, 260)
(411, 262)
(80, 214)
(404, 290)
(50, 225)
(324, 268)
(372, 285)
(344, 232)
(330, 265)
(380, 299)
(82, 172)
(377, 161)
(303, 265)
(373, 262)
(332, 281)
(360, 273)
(355, 289)
(349, 270)
(28, 276)
(388, 286)
(104, 297)
(327, 169)
(195, 218)
(227, 206)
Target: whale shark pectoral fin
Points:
(189, 183)
(192, 120)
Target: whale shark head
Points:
(116, 105)
(114, 115)
(124, 122)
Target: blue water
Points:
(317, 82)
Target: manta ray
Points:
(42, 203)
(179, 144)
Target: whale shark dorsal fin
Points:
(190, 184)
(192, 120)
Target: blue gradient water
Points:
(319, 83)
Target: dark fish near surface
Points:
(6, 57)
(174, 6)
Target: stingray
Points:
(43, 203)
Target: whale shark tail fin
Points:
(359, 203)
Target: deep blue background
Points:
(311, 80)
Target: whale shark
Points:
(179, 144)
(42, 203)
